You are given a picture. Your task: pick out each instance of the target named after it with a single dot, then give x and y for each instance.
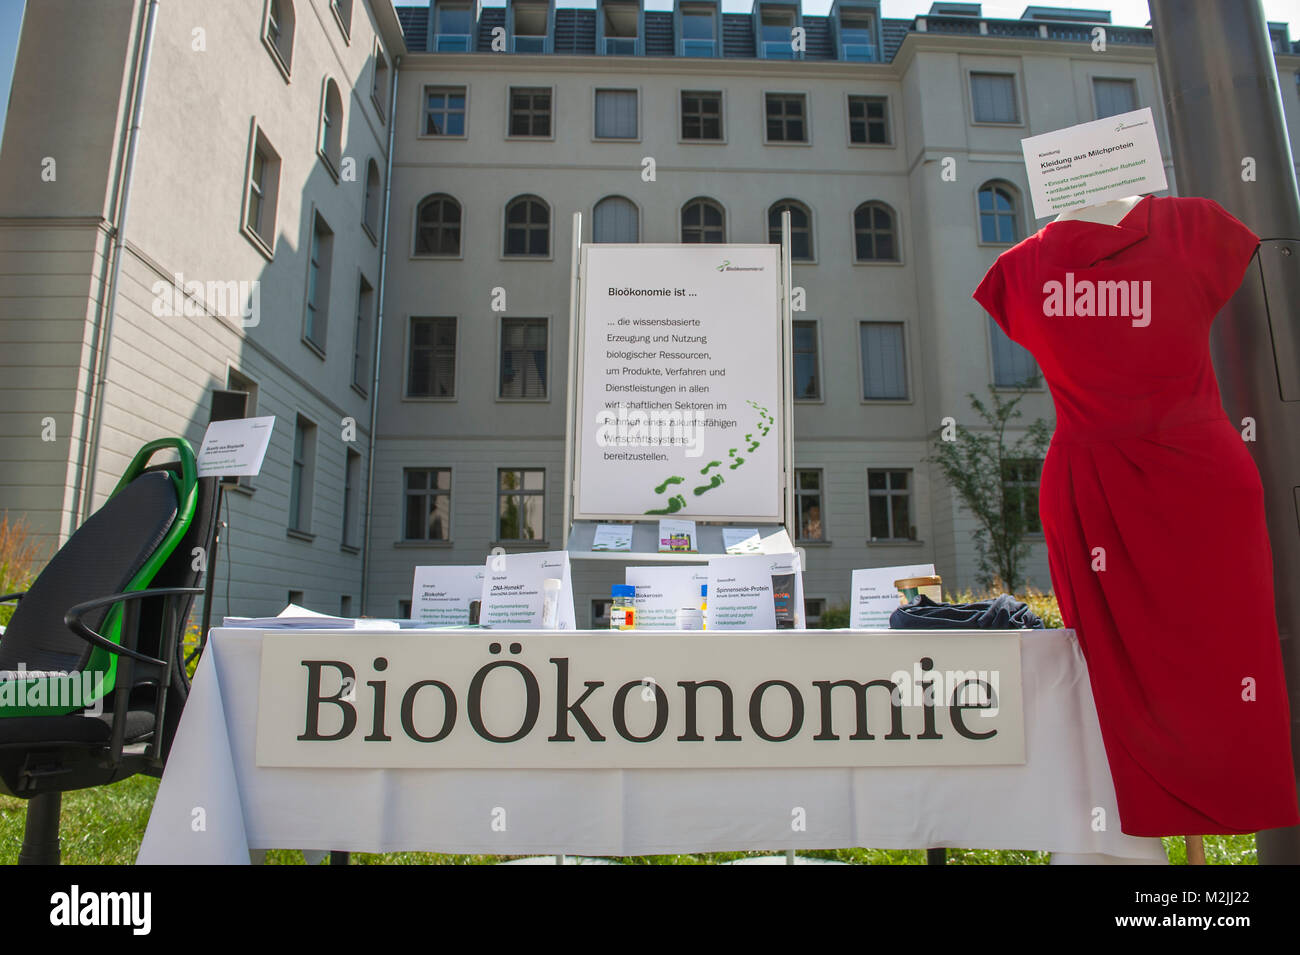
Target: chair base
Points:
(41, 836)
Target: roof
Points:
(575, 30)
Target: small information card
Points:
(1094, 162)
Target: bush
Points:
(20, 560)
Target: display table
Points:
(215, 803)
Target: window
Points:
(530, 111)
(999, 220)
(379, 87)
(403, 610)
(615, 220)
(523, 358)
(993, 96)
(370, 206)
(277, 34)
(351, 486)
(857, 36)
(616, 114)
(318, 282)
(884, 369)
(698, 32)
(1013, 365)
(330, 144)
(600, 613)
(296, 598)
(619, 23)
(874, 239)
(361, 337)
(262, 193)
(889, 505)
(428, 504)
(455, 29)
(345, 605)
(808, 504)
(530, 27)
(431, 370)
(813, 608)
(1020, 486)
(703, 221)
(437, 226)
(869, 120)
(235, 381)
(1113, 97)
(807, 382)
(302, 475)
(785, 118)
(702, 116)
(801, 243)
(520, 500)
(343, 13)
(777, 32)
(528, 227)
(444, 111)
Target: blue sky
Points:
(1123, 12)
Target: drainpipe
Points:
(99, 376)
(379, 332)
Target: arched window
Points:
(801, 243)
(703, 221)
(528, 226)
(330, 145)
(278, 32)
(437, 226)
(615, 220)
(999, 211)
(370, 210)
(875, 235)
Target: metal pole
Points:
(571, 428)
(1229, 142)
(375, 347)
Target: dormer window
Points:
(777, 33)
(699, 32)
(857, 36)
(455, 29)
(620, 22)
(530, 28)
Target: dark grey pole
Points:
(1229, 143)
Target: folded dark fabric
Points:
(1003, 612)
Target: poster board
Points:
(680, 383)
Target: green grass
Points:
(104, 827)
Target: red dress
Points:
(1153, 512)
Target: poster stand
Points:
(579, 533)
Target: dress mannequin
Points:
(1112, 213)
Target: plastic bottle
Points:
(551, 602)
(704, 605)
(622, 607)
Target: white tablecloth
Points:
(214, 803)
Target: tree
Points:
(990, 478)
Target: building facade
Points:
(893, 143)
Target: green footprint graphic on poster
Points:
(753, 439)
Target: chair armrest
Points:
(74, 622)
(19, 595)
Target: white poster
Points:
(663, 590)
(516, 699)
(755, 592)
(441, 594)
(679, 393)
(1094, 162)
(235, 448)
(512, 590)
(873, 596)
